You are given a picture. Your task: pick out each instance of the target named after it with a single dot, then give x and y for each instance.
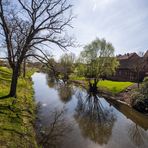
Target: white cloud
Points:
(94, 7)
(100, 4)
(123, 23)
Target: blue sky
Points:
(124, 23)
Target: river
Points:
(69, 117)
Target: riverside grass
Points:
(17, 114)
(114, 87)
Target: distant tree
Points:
(80, 68)
(139, 67)
(25, 25)
(97, 61)
(66, 66)
(52, 69)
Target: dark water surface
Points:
(69, 117)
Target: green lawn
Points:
(16, 115)
(73, 77)
(114, 86)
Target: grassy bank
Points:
(16, 115)
(114, 87)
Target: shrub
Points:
(144, 88)
(139, 97)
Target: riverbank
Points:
(17, 115)
(115, 87)
(121, 95)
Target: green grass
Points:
(16, 115)
(77, 78)
(5, 74)
(114, 86)
(5, 70)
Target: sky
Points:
(124, 23)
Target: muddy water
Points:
(69, 117)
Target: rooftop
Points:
(126, 56)
(146, 54)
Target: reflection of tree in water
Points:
(95, 121)
(137, 134)
(65, 92)
(54, 131)
(52, 81)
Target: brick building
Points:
(132, 67)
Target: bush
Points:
(136, 97)
(144, 88)
(139, 97)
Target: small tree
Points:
(98, 61)
(66, 65)
(25, 25)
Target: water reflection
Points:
(137, 134)
(52, 130)
(52, 81)
(65, 90)
(95, 120)
(138, 118)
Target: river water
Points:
(69, 117)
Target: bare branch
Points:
(38, 22)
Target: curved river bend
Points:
(69, 117)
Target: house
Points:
(132, 67)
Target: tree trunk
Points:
(138, 79)
(24, 68)
(93, 86)
(15, 75)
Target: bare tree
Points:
(25, 25)
(139, 67)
